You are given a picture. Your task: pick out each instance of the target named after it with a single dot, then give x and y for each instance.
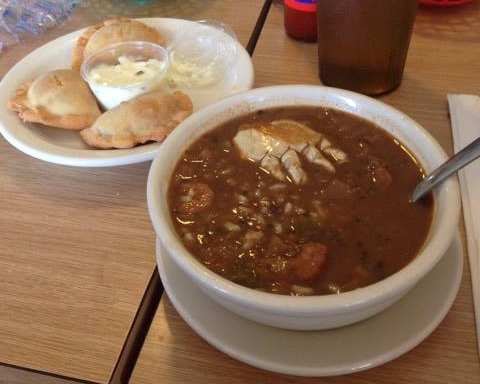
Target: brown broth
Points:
(337, 232)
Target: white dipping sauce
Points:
(202, 56)
(126, 72)
(125, 80)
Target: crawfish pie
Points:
(112, 31)
(58, 98)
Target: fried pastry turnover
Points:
(109, 32)
(58, 98)
(149, 117)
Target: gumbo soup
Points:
(299, 201)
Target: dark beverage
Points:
(364, 80)
(363, 44)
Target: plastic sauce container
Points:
(202, 55)
(300, 19)
(123, 71)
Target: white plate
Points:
(320, 353)
(66, 147)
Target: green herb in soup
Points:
(300, 201)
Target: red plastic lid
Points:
(302, 5)
(444, 3)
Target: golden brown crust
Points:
(149, 117)
(109, 32)
(58, 98)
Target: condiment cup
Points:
(127, 81)
(202, 55)
(306, 312)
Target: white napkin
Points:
(465, 118)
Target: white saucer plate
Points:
(350, 349)
(66, 147)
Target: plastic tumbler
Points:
(363, 44)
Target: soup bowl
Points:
(314, 312)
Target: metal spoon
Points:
(456, 162)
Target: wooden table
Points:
(443, 58)
(77, 250)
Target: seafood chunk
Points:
(194, 198)
(276, 147)
(273, 165)
(292, 163)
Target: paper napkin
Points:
(465, 119)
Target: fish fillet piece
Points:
(276, 146)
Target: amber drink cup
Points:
(363, 44)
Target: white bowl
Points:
(308, 312)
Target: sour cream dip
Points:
(127, 72)
(124, 71)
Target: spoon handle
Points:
(459, 160)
